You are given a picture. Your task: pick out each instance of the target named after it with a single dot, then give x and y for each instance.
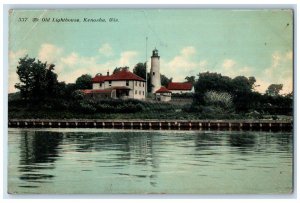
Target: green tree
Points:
(165, 80)
(240, 88)
(191, 79)
(244, 97)
(243, 84)
(118, 69)
(140, 70)
(274, 89)
(52, 82)
(252, 81)
(84, 82)
(37, 79)
(149, 85)
(212, 81)
(290, 95)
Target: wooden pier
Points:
(266, 125)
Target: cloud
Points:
(232, 68)
(228, 63)
(203, 64)
(182, 65)
(71, 59)
(78, 65)
(181, 62)
(261, 85)
(13, 63)
(50, 53)
(280, 71)
(69, 66)
(188, 51)
(128, 58)
(106, 50)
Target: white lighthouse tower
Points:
(154, 71)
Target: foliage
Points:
(149, 85)
(221, 99)
(191, 79)
(118, 69)
(239, 88)
(274, 89)
(165, 80)
(37, 80)
(140, 70)
(183, 95)
(84, 82)
(216, 97)
(244, 98)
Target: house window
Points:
(109, 82)
(143, 84)
(143, 93)
(100, 84)
(140, 83)
(135, 91)
(153, 73)
(127, 83)
(135, 83)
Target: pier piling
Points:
(155, 124)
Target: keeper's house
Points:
(181, 87)
(120, 85)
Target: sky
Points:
(255, 43)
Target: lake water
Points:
(102, 161)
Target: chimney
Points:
(107, 72)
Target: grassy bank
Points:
(79, 107)
(172, 113)
(110, 109)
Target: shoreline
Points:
(155, 124)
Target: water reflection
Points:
(244, 142)
(152, 160)
(204, 140)
(127, 148)
(284, 142)
(39, 151)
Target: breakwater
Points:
(154, 124)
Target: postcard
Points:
(150, 101)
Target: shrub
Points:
(221, 99)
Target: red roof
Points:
(163, 90)
(180, 86)
(121, 75)
(108, 90)
(96, 91)
(100, 78)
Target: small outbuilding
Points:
(163, 94)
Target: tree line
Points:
(238, 95)
(214, 93)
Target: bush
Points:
(221, 99)
(86, 107)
